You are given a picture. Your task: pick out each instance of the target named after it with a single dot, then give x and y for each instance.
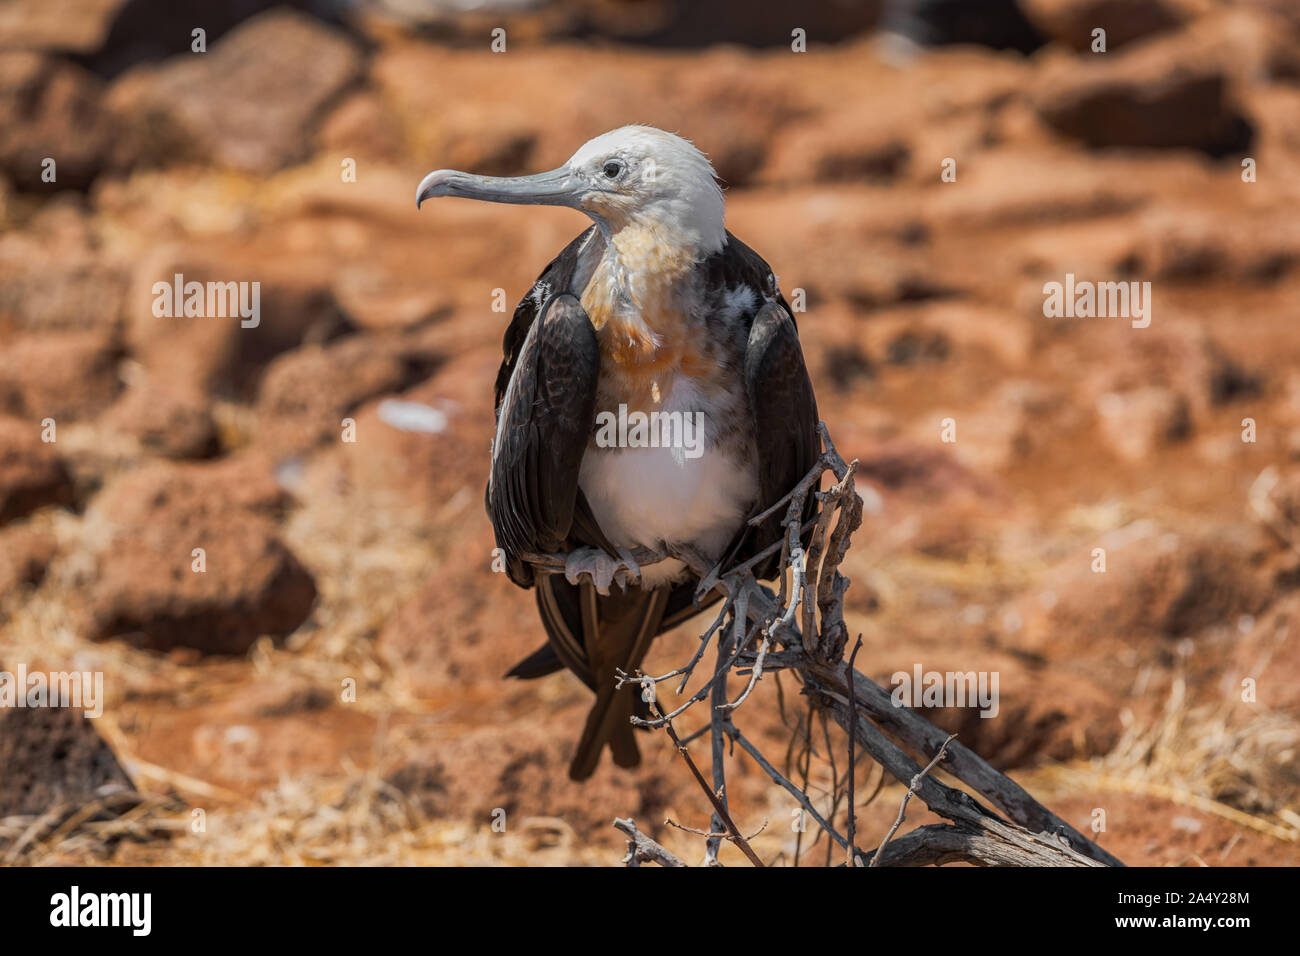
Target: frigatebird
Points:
(654, 308)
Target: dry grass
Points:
(356, 820)
(1240, 765)
(1241, 770)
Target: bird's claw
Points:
(602, 569)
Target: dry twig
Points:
(911, 789)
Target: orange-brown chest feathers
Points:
(637, 299)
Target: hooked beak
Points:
(559, 187)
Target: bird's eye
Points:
(613, 169)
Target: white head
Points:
(634, 177)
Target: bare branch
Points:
(911, 789)
(853, 733)
(780, 779)
(641, 849)
(719, 808)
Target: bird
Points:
(654, 308)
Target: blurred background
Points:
(328, 689)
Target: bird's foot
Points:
(601, 568)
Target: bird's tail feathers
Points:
(617, 631)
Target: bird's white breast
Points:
(642, 496)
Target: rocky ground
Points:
(328, 688)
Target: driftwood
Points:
(801, 628)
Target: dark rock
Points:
(148, 587)
(53, 280)
(31, 472)
(53, 756)
(25, 553)
(253, 101)
(64, 376)
(1071, 22)
(219, 355)
(1165, 94)
(999, 24)
(66, 26)
(51, 109)
(171, 422)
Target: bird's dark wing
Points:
(557, 277)
(780, 393)
(543, 423)
(785, 414)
